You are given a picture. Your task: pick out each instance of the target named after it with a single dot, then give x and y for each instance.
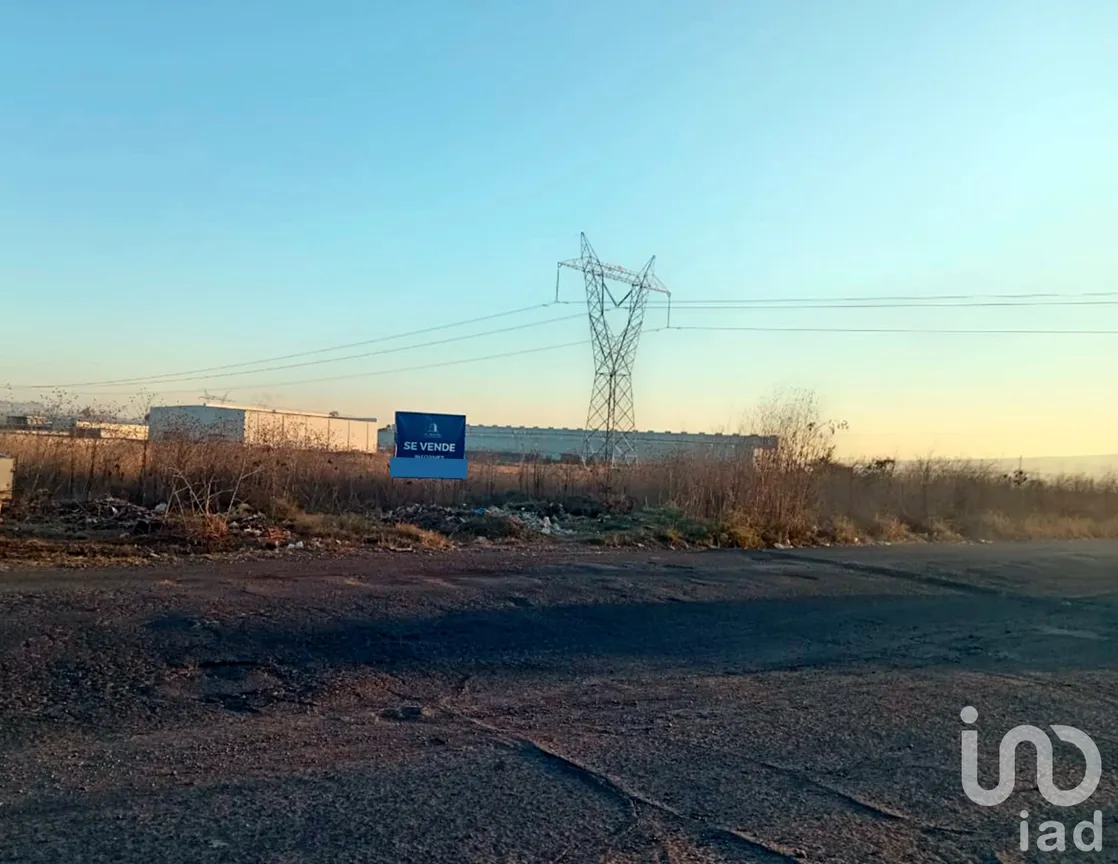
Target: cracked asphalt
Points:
(500, 706)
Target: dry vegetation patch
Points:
(213, 492)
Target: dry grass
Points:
(357, 528)
(206, 528)
(889, 529)
(797, 494)
(405, 534)
(997, 526)
(841, 529)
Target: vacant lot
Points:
(794, 495)
(550, 706)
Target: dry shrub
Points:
(939, 529)
(201, 528)
(796, 493)
(358, 528)
(411, 535)
(330, 526)
(491, 526)
(740, 535)
(841, 529)
(774, 492)
(614, 539)
(675, 529)
(212, 476)
(889, 529)
(994, 525)
(58, 466)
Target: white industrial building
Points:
(563, 443)
(269, 426)
(97, 429)
(75, 427)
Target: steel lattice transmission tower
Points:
(611, 421)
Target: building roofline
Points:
(721, 436)
(256, 409)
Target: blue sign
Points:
(430, 446)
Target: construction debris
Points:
(489, 522)
(102, 515)
(117, 524)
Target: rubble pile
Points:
(430, 517)
(164, 529)
(249, 524)
(258, 529)
(542, 519)
(116, 518)
(107, 514)
(489, 522)
(122, 518)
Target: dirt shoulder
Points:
(112, 531)
(542, 703)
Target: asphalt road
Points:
(522, 707)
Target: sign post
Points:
(429, 446)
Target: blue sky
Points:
(188, 185)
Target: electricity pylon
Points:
(611, 421)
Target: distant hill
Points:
(1050, 466)
(1054, 466)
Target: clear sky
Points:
(185, 185)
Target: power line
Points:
(946, 301)
(913, 330)
(180, 378)
(281, 357)
(757, 306)
(545, 348)
(446, 363)
(723, 305)
(268, 385)
(913, 298)
(856, 302)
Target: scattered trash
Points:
(491, 522)
(120, 522)
(108, 514)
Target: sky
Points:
(184, 186)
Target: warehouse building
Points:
(98, 429)
(75, 427)
(263, 426)
(564, 443)
(26, 421)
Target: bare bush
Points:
(795, 493)
(775, 492)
